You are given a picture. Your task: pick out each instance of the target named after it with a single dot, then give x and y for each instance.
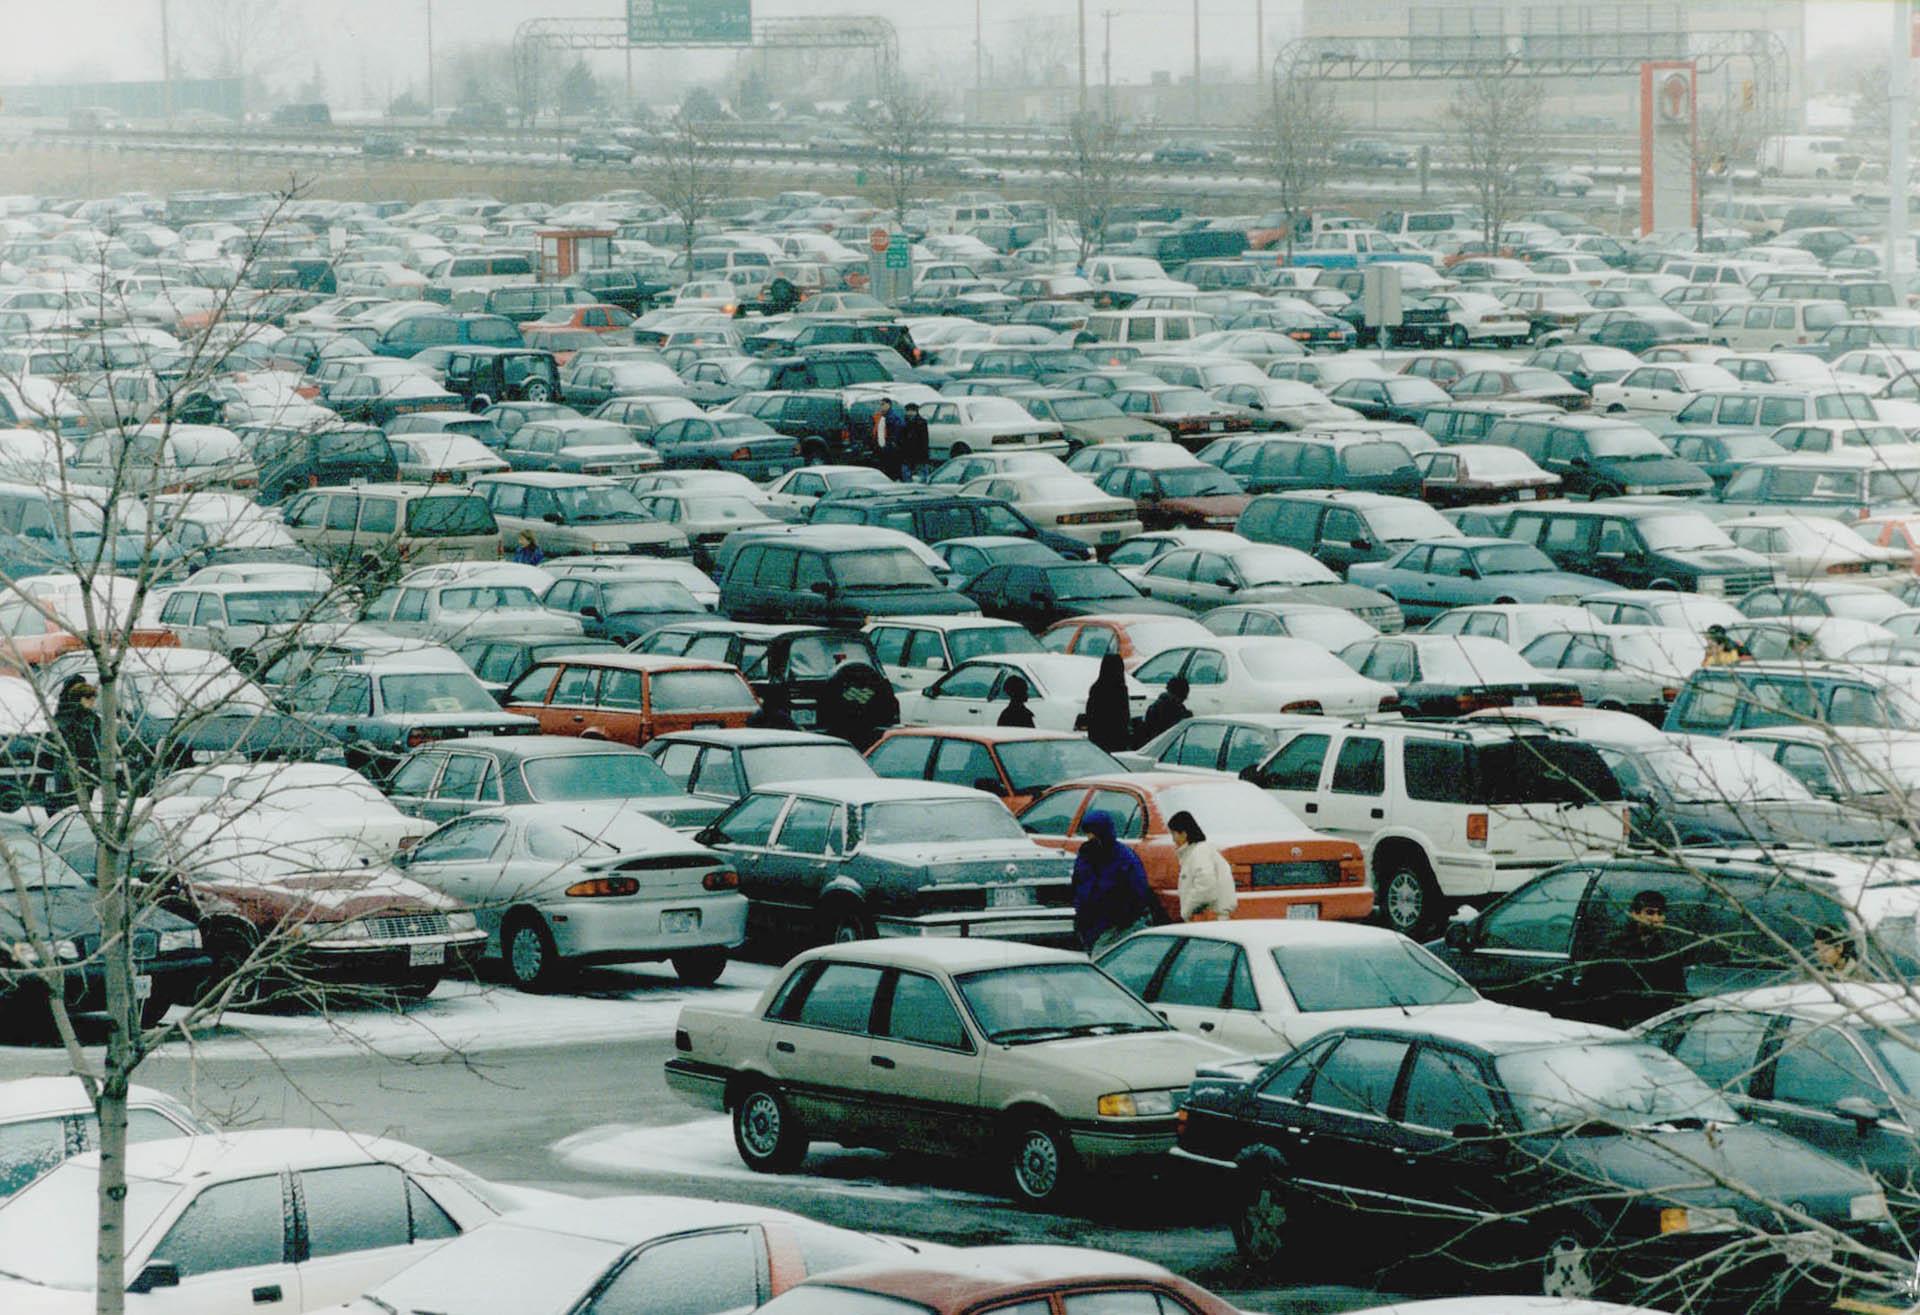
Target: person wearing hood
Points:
(1111, 898)
(1108, 718)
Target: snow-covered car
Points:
(975, 692)
(1262, 673)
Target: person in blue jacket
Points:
(1111, 898)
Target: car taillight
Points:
(721, 880)
(1477, 830)
(1563, 699)
(1669, 693)
(442, 476)
(599, 887)
(1353, 869)
(418, 736)
(1389, 703)
(681, 1041)
(1311, 706)
(1474, 702)
(741, 454)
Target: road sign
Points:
(900, 257)
(1380, 297)
(690, 22)
(879, 239)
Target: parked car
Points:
(1429, 577)
(629, 698)
(447, 779)
(1009, 761)
(378, 712)
(720, 765)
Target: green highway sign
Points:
(689, 22)
(899, 256)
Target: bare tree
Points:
(241, 38)
(898, 125)
(1103, 162)
(691, 171)
(1296, 137)
(1495, 122)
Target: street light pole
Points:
(1106, 69)
(1899, 109)
(1197, 116)
(430, 97)
(166, 66)
(1082, 5)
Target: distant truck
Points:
(1807, 155)
(309, 114)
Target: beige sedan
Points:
(1068, 503)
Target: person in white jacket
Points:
(1206, 879)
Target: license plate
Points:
(1303, 912)
(1526, 701)
(1215, 426)
(1010, 897)
(426, 956)
(1527, 495)
(142, 989)
(677, 921)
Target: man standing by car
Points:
(1111, 898)
(915, 444)
(1640, 970)
(886, 438)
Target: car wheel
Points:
(230, 947)
(1572, 1268)
(1459, 337)
(1040, 1161)
(537, 391)
(532, 960)
(1608, 491)
(1409, 901)
(1261, 1227)
(154, 1009)
(958, 450)
(1615, 408)
(849, 925)
(700, 967)
(768, 1137)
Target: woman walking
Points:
(1206, 878)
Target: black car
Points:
(932, 516)
(452, 778)
(1449, 675)
(500, 662)
(831, 578)
(1635, 329)
(48, 902)
(1037, 596)
(600, 150)
(741, 444)
(1424, 322)
(1600, 456)
(633, 291)
(1612, 1170)
(1282, 462)
(1399, 397)
(1648, 545)
(483, 377)
(416, 333)
(1724, 454)
(622, 610)
(292, 459)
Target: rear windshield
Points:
(1527, 770)
(363, 445)
(1376, 458)
(450, 516)
(578, 776)
(701, 691)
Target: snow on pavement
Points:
(466, 1018)
(704, 1148)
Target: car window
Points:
(1361, 767)
(1129, 816)
(1537, 917)
(919, 1011)
(1208, 974)
(236, 1225)
(751, 821)
(28, 1149)
(358, 1207)
(1721, 1046)
(840, 998)
(1121, 1302)
(811, 827)
(1445, 1090)
(1820, 1065)
(461, 780)
(468, 841)
(1134, 962)
(964, 762)
(1298, 764)
(694, 1275)
(1359, 1076)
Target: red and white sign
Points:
(1668, 122)
(879, 239)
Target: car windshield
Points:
(1385, 973)
(1468, 661)
(1045, 1002)
(169, 694)
(648, 596)
(1682, 532)
(996, 411)
(984, 641)
(1085, 408)
(1624, 442)
(1033, 765)
(802, 762)
(598, 502)
(1537, 379)
(49, 1237)
(1410, 520)
(547, 1260)
(1197, 482)
(882, 568)
(1074, 584)
(435, 691)
(279, 606)
(1626, 1085)
(607, 435)
(488, 598)
(938, 821)
(1184, 401)
(35, 866)
(1519, 559)
(1703, 771)
(577, 776)
(722, 508)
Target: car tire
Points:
(527, 946)
(959, 450)
(154, 1010)
(1607, 491)
(537, 391)
(848, 924)
(1572, 1264)
(230, 946)
(1266, 1215)
(1041, 1164)
(1409, 901)
(1459, 337)
(765, 1132)
(700, 967)
(1615, 408)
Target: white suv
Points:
(1446, 812)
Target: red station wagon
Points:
(631, 697)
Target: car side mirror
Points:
(1225, 582)
(403, 859)
(1251, 772)
(1364, 545)
(708, 835)
(551, 518)
(1464, 931)
(990, 784)
(1862, 1111)
(821, 587)
(590, 612)
(1474, 1132)
(157, 1274)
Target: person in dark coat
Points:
(775, 711)
(915, 444)
(1167, 711)
(77, 724)
(1111, 898)
(1640, 970)
(1017, 712)
(1108, 719)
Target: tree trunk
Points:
(124, 1040)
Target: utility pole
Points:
(431, 102)
(1899, 108)
(1197, 115)
(979, 61)
(166, 66)
(1259, 43)
(1082, 5)
(1106, 69)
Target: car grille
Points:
(1308, 873)
(1387, 620)
(1746, 582)
(398, 926)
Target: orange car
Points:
(631, 697)
(1134, 636)
(1009, 761)
(1281, 867)
(38, 639)
(1894, 530)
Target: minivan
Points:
(416, 333)
(293, 459)
(1645, 546)
(833, 576)
(413, 523)
(1148, 326)
(1716, 700)
(1773, 325)
(522, 303)
(1600, 457)
(1296, 461)
(1341, 526)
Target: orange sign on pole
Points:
(879, 239)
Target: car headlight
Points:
(1869, 1205)
(24, 953)
(66, 950)
(1712, 584)
(461, 922)
(187, 938)
(1135, 1104)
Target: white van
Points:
(1422, 224)
(1712, 271)
(1140, 327)
(1805, 155)
(1772, 326)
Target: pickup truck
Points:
(1030, 1057)
(1354, 249)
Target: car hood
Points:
(1549, 583)
(1110, 606)
(1823, 822)
(1724, 559)
(1766, 1166)
(1136, 1061)
(614, 532)
(1113, 429)
(59, 911)
(325, 897)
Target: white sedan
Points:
(1806, 547)
(444, 458)
(1660, 389)
(956, 471)
(1265, 673)
(1070, 504)
(975, 692)
(332, 800)
(1307, 977)
(211, 1223)
(798, 490)
(959, 425)
(1477, 318)
(44, 1120)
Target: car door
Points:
(1353, 805)
(1449, 1165)
(1451, 579)
(573, 707)
(1207, 989)
(820, 1049)
(231, 1248)
(963, 697)
(362, 1223)
(1808, 1069)
(411, 786)
(745, 835)
(724, 1269)
(809, 849)
(1520, 950)
(926, 1069)
(1171, 577)
(1345, 1139)
(1294, 772)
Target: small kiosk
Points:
(565, 252)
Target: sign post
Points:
(1380, 303)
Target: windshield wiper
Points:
(1010, 1035)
